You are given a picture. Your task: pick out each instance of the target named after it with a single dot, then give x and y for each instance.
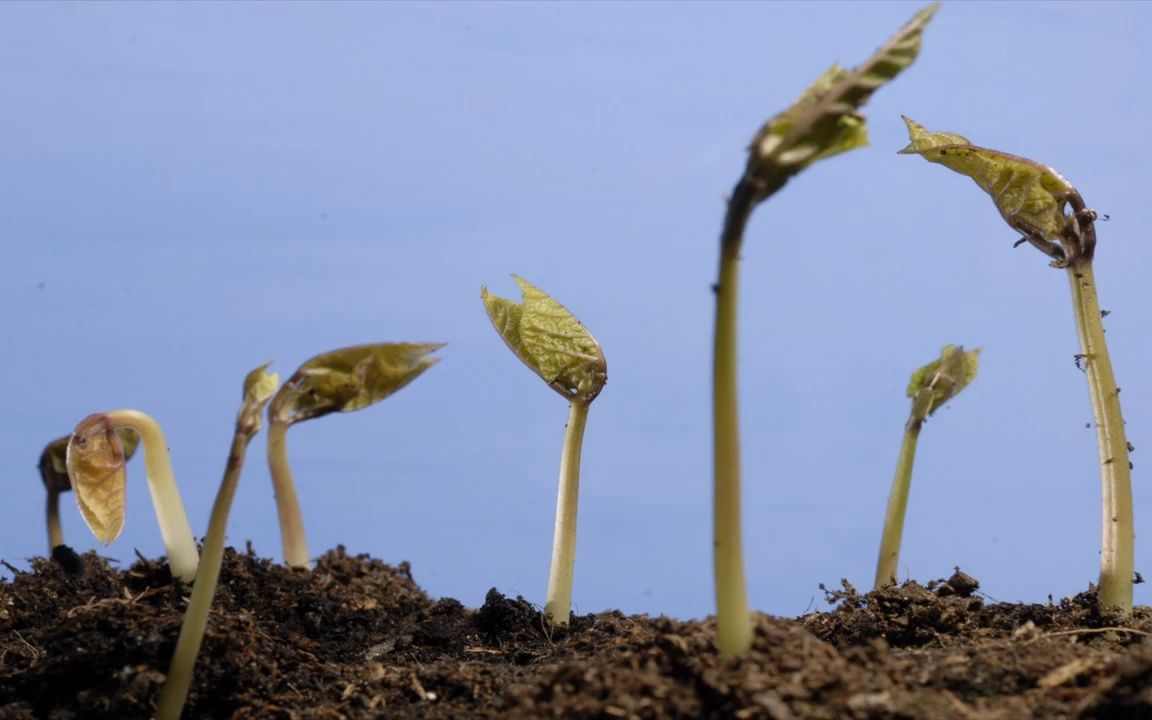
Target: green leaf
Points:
(259, 387)
(1030, 196)
(96, 458)
(549, 340)
(350, 379)
(824, 121)
(54, 459)
(942, 379)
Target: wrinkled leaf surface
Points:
(96, 461)
(942, 379)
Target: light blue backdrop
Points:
(191, 189)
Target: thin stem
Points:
(897, 505)
(287, 504)
(558, 605)
(1117, 536)
(733, 621)
(170, 515)
(55, 532)
(175, 692)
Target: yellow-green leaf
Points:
(942, 379)
(54, 459)
(550, 341)
(824, 121)
(350, 379)
(96, 459)
(259, 387)
(1030, 196)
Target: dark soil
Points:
(358, 639)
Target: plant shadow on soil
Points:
(357, 638)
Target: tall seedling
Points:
(930, 387)
(1032, 198)
(822, 123)
(557, 347)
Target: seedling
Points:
(338, 381)
(557, 347)
(930, 387)
(95, 461)
(258, 388)
(823, 122)
(54, 472)
(1031, 198)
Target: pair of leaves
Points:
(941, 380)
(549, 340)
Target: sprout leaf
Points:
(96, 458)
(549, 340)
(350, 379)
(942, 379)
(54, 459)
(259, 387)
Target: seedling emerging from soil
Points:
(558, 348)
(930, 387)
(1031, 198)
(54, 473)
(96, 460)
(338, 381)
(822, 123)
(258, 389)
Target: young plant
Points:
(930, 387)
(1032, 197)
(338, 381)
(54, 472)
(95, 461)
(822, 123)
(557, 347)
(258, 389)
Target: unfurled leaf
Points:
(824, 121)
(259, 387)
(95, 460)
(942, 379)
(350, 379)
(549, 340)
(1030, 196)
(54, 459)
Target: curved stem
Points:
(287, 504)
(558, 606)
(733, 622)
(170, 515)
(55, 531)
(1117, 534)
(893, 532)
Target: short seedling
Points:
(1031, 198)
(338, 381)
(95, 462)
(930, 387)
(822, 123)
(258, 389)
(54, 472)
(558, 348)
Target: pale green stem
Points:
(1117, 537)
(287, 504)
(558, 605)
(170, 515)
(175, 692)
(733, 621)
(55, 531)
(897, 505)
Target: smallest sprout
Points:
(930, 388)
(95, 461)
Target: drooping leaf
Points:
(96, 459)
(942, 379)
(259, 387)
(824, 121)
(350, 379)
(549, 340)
(54, 460)
(1030, 196)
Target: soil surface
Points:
(356, 638)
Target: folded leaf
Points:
(96, 459)
(549, 340)
(54, 459)
(259, 387)
(942, 379)
(350, 379)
